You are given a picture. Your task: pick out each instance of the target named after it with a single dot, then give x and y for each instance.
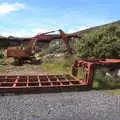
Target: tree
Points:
(101, 43)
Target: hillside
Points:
(82, 32)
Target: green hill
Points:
(82, 32)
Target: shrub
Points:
(1, 54)
(55, 49)
(101, 43)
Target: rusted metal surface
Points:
(90, 66)
(88, 71)
(39, 83)
(12, 52)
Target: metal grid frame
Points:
(38, 83)
(54, 83)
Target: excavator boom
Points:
(66, 41)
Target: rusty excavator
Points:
(21, 54)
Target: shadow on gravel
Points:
(46, 91)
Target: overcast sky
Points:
(29, 17)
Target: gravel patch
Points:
(91, 105)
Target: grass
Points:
(102, 82)
(2, 65)
(61, 65)
(113, 92)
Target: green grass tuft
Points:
(61, 65)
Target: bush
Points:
(1, 53)
(103, 81)
(55, 49)
(101, 43)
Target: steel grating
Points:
(38, 83)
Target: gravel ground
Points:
(91, 105)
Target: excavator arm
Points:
(31, 44)
(66, 41)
